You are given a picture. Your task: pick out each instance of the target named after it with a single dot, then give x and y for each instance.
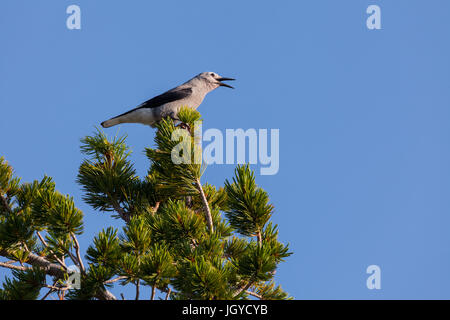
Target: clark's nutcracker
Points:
(190, 94)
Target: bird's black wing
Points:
(169, 96)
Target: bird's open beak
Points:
(224, 84)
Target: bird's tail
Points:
(110, 122)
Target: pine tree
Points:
(181, 239)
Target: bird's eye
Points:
(211, 74)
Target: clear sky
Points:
(363, 116)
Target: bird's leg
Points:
(182, 125)
(185, 126)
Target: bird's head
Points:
(213, 80)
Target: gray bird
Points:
(190, 94)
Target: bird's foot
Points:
(185, 126)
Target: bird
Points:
(190, 94)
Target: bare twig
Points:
(138, 285)
(49, 291)
(259, 236)
(47, 294)
(153, 292)
(168, 293)
(156, 207)
(115, 279)
(244, 288)
(5, 204)
(77, 248)
(205, 205)
(53, 254)
(73, 258)
(55, 288)
(25, 247)
(251, 293)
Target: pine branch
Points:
(56, 271)
(125, 217)
(50, 268)
(176, 249)
(104, 294)
(13, 267)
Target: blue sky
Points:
(363, 116)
